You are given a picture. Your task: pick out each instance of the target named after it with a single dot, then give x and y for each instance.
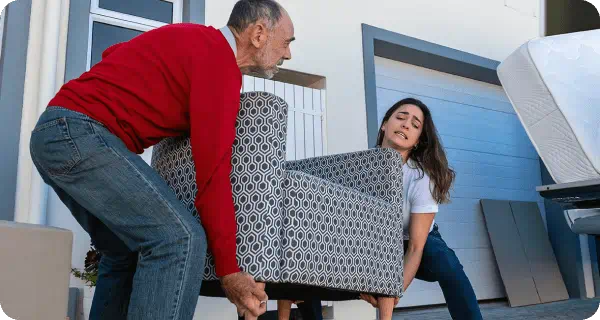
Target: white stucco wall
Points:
(330, 43)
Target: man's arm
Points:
(214, 104)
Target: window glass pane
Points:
(157, 10)
(105, 35)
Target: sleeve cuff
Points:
(424, 209)
(226, 264)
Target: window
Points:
(114, 21)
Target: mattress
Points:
(553, 84)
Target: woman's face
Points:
(403, 129)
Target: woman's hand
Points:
(369, 298)
(384, 304)
(375, 301)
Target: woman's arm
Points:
(420, 224)
(284, 309)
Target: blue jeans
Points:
(311, 310)
(440, 264)
(153, 248)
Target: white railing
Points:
(306, 116)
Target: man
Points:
(182, 79)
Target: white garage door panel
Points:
(473, 192)
(413, 74)
(492, 159)
(490, 152)
(453, 212)
(491, 170)
(461, 143)
(426, 90)
(478, 180)
(465, 235)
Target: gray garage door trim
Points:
(386, 44)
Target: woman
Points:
(408, 128)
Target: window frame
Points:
(177, 14)
(124, 20)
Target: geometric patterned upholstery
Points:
(331, 223)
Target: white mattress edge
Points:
(520, 116)
(583, 150)
(550, 166)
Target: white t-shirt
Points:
(417, 196)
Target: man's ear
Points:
(258, 34)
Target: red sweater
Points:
(175, 80)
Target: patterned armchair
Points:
(327, 226)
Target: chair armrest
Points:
(337, 237)
(376, 172)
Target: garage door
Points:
(488, 148)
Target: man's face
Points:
(275, 48)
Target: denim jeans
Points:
(311, 310)
(153, 248)
(440, 264)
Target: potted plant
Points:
(89, 275)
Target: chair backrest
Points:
(257, 161)
(376, 172)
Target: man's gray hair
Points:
(247, 12)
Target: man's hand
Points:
(248, 296)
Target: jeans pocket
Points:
(53, 149)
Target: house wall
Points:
(12, 78)
(330, 43)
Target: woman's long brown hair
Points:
(429, 155)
